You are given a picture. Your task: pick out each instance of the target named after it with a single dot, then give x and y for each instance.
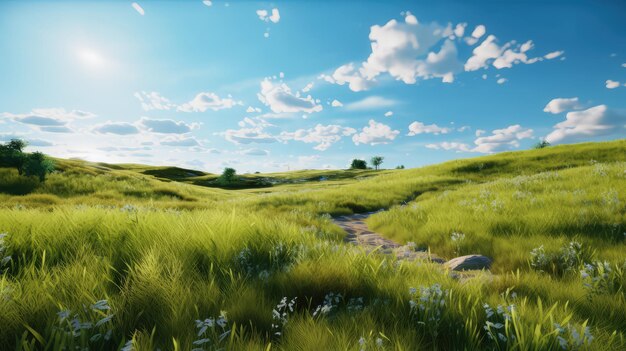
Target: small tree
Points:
(400, 167)
(358, 164)
(542, 144)
(12, 154)
(377, 161)
(37, 164)
(229, 176)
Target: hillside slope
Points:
(102, 255)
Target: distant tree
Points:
(12, 154)
(400, 167)
(229, 176)
(542, 144)
(358, 164)
(377, 161)
(37, 164)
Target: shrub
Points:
(229, 176)
(37, 164)
(358, 164)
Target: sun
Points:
(91, 58)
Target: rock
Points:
(469, 262)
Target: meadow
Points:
(133, 257)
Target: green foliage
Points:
(12, 154)
(400, 167)
(37, 164)
(377, 161)
(358, 164)
(542, 144)
(229, 176)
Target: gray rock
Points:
(469, 262)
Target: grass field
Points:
(136, 257)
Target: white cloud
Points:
(251, 131)
(251, 109)
(205, 101)
(459, 30)
(592, 122)
(348, 74)
(388, 113)
(553, 55)
(501, 80)
(505, 56)
(480, 132)
(336, 103)
(559, 105)
(397, 49)
(611, 84)
(624, 65)
(179, 141)
(375, 133)
(499, 140)
(323, 136)
(410, 51)
(459, 147)
(266, 16)
(370, 103)
(255, 152)
(54, 120)
(502, 139)
(479, 31)
(280, 99)
(308, 87)
(118, 128)
(166, 126)
(208, 3)
(416, 128)
(153, 101)
(56, 129)
(138, 8)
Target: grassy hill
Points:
(166, 249)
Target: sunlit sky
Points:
(272, 86)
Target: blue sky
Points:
(271, 86)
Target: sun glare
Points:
(91, 58)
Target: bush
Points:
(229, 176)
(358, 164)
(37, 164)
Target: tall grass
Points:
(105, 257)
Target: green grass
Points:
(164, 251)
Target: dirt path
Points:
(359, 234)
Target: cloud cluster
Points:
(500, 140)
(250, 131)
(416, 128)
(410, 51)
(166, 126)
(208, 101)
(51, 120)
(280, 98)
(117, 128)
(375, 133)
(323, 136)
(269, 16)
(559, 105)
(593, 122)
